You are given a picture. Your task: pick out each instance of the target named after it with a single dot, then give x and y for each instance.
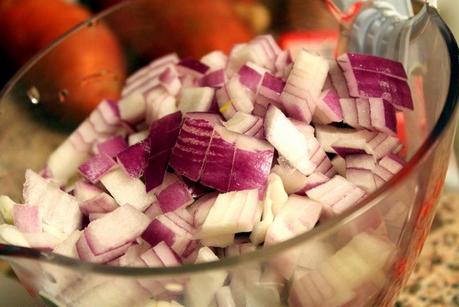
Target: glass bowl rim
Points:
(444, 121)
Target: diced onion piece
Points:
(58, 209)
(386, 168)
(159, 103)
(338, 194)
(175, 196)
(328, 135)
(6, 209)
(215, 60)
(86, 254)
(68, 246)
(362, 178)
(84, 191)
(212, 281)
(42, 240)
(112, 146)
(96, 167)
(376, 83)
(231, 213)
(214, 79)
(127, 190)
(304, 85)
(173, 230)
(250, 77)
(350, 115)
(363, 113)
(169, 79)
(11, 235)
(201, 207)
(383, 116)
(133, 107)
(295, 147)
(328, 108)
(372, 63)
(339, 164)
(338, 80)
(243, 123)
(196, 99)
(137, 137)
(189, 153)
(27, 218)
(133, 159)
(115, 229)
(192, 67)
(102, 203)
(162, 138)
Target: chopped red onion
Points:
(102, 203)
(42, 240)
(214, 79)
(328, 108)
(171, 229)
(115, 229)
(363, 113)
(337, 79)
(383, 116)
(304, 85)
(84, 191)
(96, 167)
(86, 254)
(159, 103)
(137, 137)
(215, 60)
(367, 80)
(170, 80)
(27, 218)
(350, 115)
(190, 66)
(196, 99)
(382, 144)
(372, 63)
(112, 147)
(95, 216)
(132, 108)
(127, 190)
(249, 77)
(363, 178)
(190, 150)
(295, 147)
(133, 159)
(162, 138)
(225, 105)
(173, 197)
(59, 209)
(200, 208)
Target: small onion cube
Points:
(192, 67)
(214, 79)
(193, 141)
(215, 60)
(133, 159)
(295, 147)
(27, 218)
(196, 99)
(328, 108)
(363, 113)
(132, 108)
(86, 254)
(383, 116)
(96, 167)
(350, 115)
(249, 77)
(113, 146)
(115, 229)
(169, 79)
(127, 190)
(102, 203)
(173, 197)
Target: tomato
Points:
(79, 72)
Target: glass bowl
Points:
(361, 258)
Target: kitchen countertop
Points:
(435, 280)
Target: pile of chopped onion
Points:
(213, 157)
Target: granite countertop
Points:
(435, 280)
